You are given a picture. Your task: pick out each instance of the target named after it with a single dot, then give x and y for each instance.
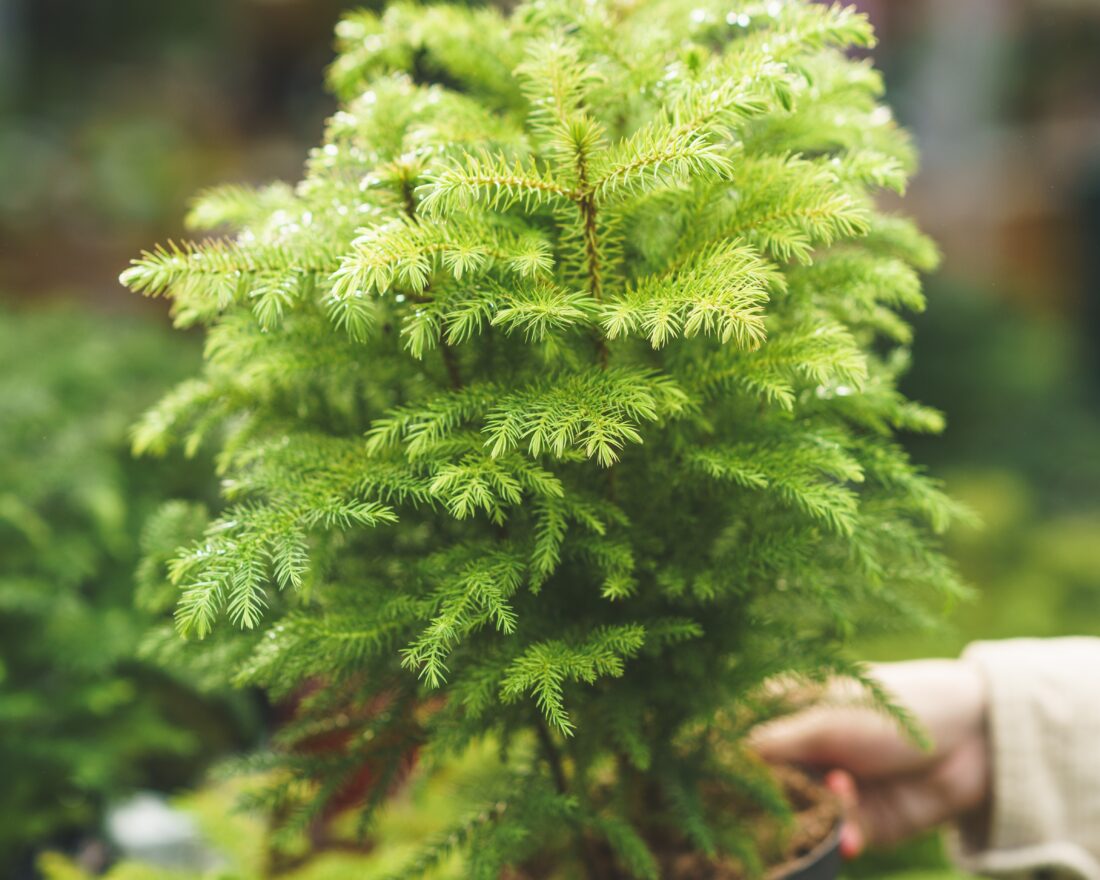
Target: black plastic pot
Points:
(821, 863)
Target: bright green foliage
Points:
(556, 405)
(82, 719)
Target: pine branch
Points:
(544, 668)
(494, 183)
(719, 291)
(593, 413)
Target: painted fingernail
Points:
(851, 840)
(838, 781)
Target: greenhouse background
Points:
(114, 113)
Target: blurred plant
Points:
(81, 719)
(235, 837)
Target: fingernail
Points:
(851, 840)
(839, 782)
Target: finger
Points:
(892, 812)
(843, 785)
(852, 841)
(854, 738)
(946, 697)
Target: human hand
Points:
(890, 788)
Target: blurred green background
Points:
(114, 112)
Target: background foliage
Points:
(111, 117)
(82, 718)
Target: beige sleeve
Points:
(1044, 728)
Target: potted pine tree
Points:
(556, 409)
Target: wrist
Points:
(976, 749)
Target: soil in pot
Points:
(808, 850)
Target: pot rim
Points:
(830, 842)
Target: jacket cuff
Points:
(1044, 737)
